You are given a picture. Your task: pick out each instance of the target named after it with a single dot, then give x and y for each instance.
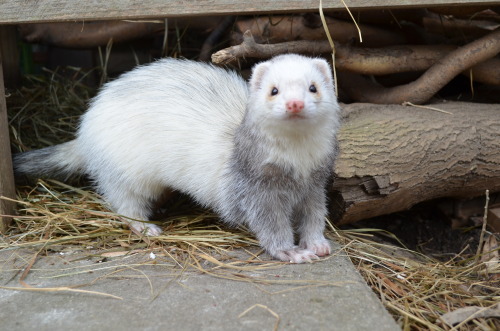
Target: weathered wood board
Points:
(33, 11)
(7, 188)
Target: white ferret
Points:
(259, 154)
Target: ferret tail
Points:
(58, 161)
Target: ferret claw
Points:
(148, 229)
(319, 247)
(297, 255)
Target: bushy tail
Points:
(59, 161)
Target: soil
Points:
(429, 228)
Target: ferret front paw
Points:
(147, 229)
(320, 247)
(297, 255)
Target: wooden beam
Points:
(31, 11)
(10, 52)
(7, 188)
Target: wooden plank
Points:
(7, 188)
(32, 11)
(10, 52)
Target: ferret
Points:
(257, 153)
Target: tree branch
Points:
(437, 76)
(443, 64)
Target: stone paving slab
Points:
(325, 295)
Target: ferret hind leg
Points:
(134, 208)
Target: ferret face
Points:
(292, 91)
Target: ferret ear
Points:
(324, 68)
(258, 72)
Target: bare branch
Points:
(421, 90)
(368, 61)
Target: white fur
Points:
(301, 142)
(147, 131)
(177, 124)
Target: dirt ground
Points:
(425, 229)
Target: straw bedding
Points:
(417, 289)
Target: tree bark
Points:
(393, 157)
(274, 29)
(424, 88)
(86, 35)
(372, 61)
(94, 34)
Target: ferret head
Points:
(292, 92)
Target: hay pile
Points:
(418, 290)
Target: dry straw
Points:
(418, 290)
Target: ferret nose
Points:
(295, 106)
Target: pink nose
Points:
(295, 106)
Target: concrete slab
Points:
(156, 294)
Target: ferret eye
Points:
(274, 91)
(313, 89)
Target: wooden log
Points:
(86, 35)
(393, 157)
(458, 29)
(381, 17)
(469, 12)
(275, 29)
(7, 188)
(93, 34)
